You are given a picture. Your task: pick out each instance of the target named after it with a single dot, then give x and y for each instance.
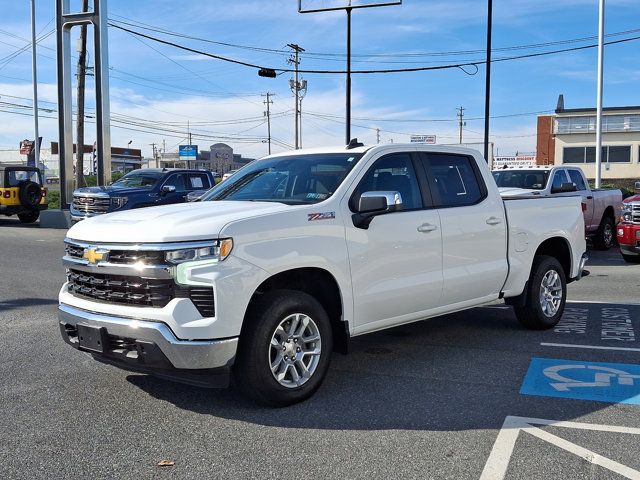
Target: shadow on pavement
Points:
(459, 372)
(6, 305)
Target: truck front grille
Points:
(121, 289)
(635, 212)
(138, 291)
(93, 205)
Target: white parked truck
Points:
(278, 266)
(602, 207)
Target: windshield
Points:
(294, 180)
(16, 177)
(528, 179)
(138, 179)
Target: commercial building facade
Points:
(569, 138)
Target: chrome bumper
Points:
(182, 354)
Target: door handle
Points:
(427, 227)
(590, 197)
(493, 221)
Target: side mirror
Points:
(636, 186)
(565, 187)
(371, 204)
(167, 189)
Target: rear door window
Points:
(455, 180)
(198, 181)
(576, 178)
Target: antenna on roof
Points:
(353, 143)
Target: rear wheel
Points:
(631, 258)
(605, 236)
(29, 217)
(285, 350)
(546, 295)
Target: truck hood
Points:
(634, 198)
(515, 192)
(110, 191)
(169, 223)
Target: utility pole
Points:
(296, 86)
(377, 135)
(155, 153)
(189, 132)
(461, 123)
(267, 113)
(35, 85)
(82, 69)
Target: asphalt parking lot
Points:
(428, 400)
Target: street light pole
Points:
(35, 84)
(599, 93)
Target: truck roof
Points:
(382, 147)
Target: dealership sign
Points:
(188, 152)
(514, 161)
(430, 139)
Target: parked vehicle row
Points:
(140, 188)
(289, 258)
(601, 206)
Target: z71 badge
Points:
(321, 216)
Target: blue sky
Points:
(159, 88)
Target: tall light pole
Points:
(487, 88)
(599, 93)
(35, 84)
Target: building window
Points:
(612, 154)
(587, 124)
(619, 154)
(573, 155)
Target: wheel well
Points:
(321, 285)
(608, 212)
(559, 249)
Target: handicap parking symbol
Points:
(604, 382)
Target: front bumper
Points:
(629, 238)
(151, 347)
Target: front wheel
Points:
(29, 217)
(546, 295)
(285, 348)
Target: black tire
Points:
(532, 315)
(605, 235)
(631, 258)
(29, 194)
(252, 370)
(29, 217)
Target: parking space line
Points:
(603, 302)
(504, 446)
(592, 347)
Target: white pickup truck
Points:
(602, 207)
(278, 266)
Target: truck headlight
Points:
(626, 212)
(219, 250)
(118, 201)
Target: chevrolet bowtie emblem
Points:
(94, 256)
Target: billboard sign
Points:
(429, 139)
(188, 152)
(514, 161)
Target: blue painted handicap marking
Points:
(603, 382)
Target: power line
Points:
(388, 70)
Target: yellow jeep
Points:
(21, 192)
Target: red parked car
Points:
(629, 228)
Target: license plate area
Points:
(92, 339)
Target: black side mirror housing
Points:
(371, 204)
